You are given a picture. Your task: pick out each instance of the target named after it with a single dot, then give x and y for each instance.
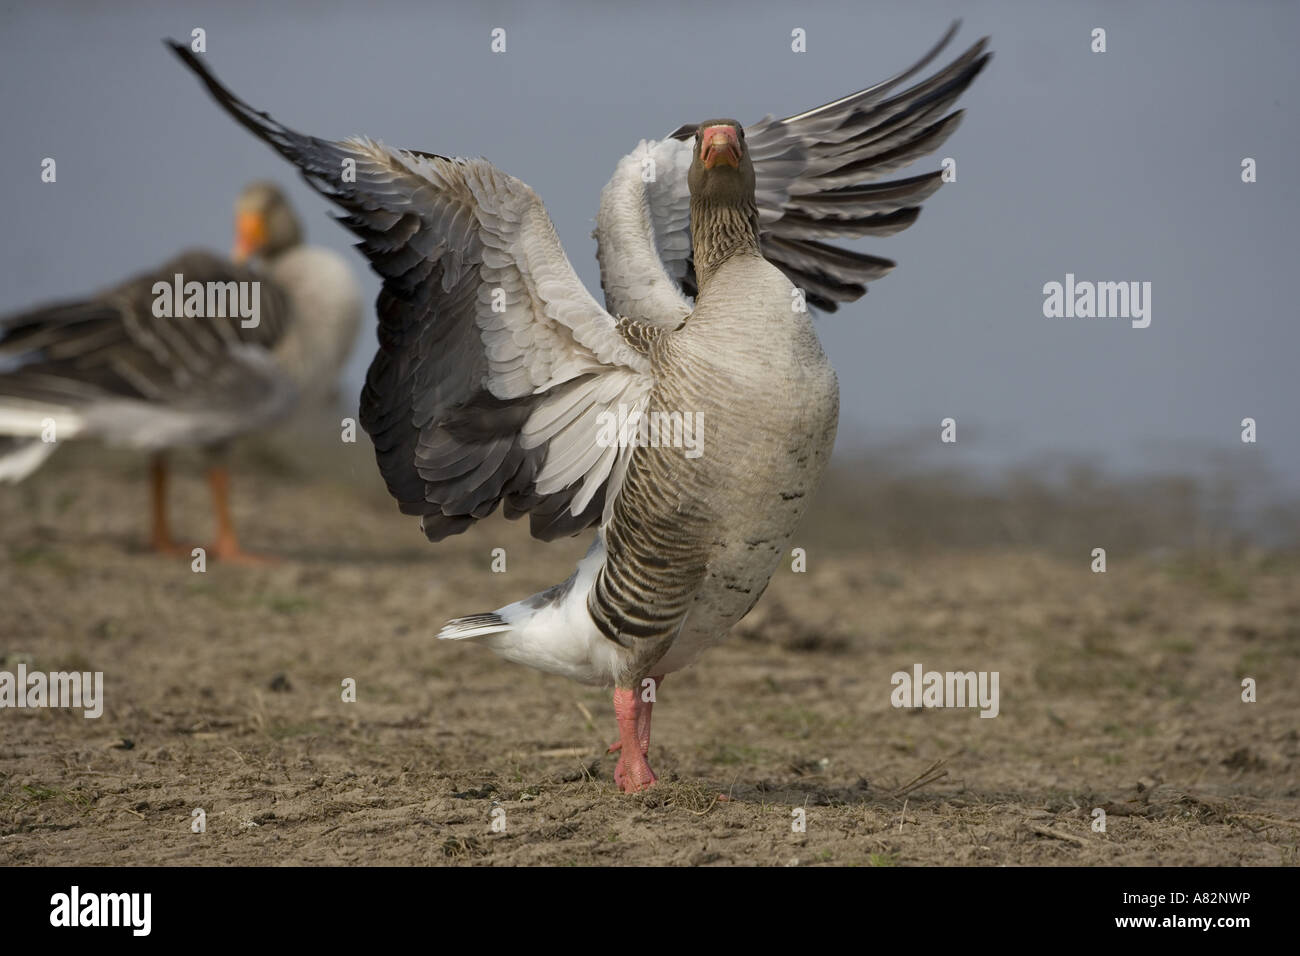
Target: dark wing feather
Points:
(841, 147)
(470, 405)
(815, 175)
(113, 346)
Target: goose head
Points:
(265, 223)
(724, 212)
(721, 172)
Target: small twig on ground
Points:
(730, 790)
(927, 776)
(564, 752)
(1056, 834)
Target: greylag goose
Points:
(501, 381)
(196, 352)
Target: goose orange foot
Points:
(226, 548)
(633, 772)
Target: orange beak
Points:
(250, 236)
(720, 144)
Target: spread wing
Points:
(495, 366)
(815, 181)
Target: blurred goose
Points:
(159, 362)
(500, 381)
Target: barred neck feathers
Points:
(720, 231)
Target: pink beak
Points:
(719, 144)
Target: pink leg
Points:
(633, 772)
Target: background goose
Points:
(498, 373)
(143, 366)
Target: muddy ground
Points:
(223, 692)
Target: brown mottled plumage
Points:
(117, 368)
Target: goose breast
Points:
(749, 366)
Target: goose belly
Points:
(768, 444)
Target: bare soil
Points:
(223, 692)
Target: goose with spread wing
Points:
(690, 434)
(196, 352)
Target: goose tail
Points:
(475, 625)
(20, 456)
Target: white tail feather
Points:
(476, 625)
(21, 458)
(551, 631)
(33, 419)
